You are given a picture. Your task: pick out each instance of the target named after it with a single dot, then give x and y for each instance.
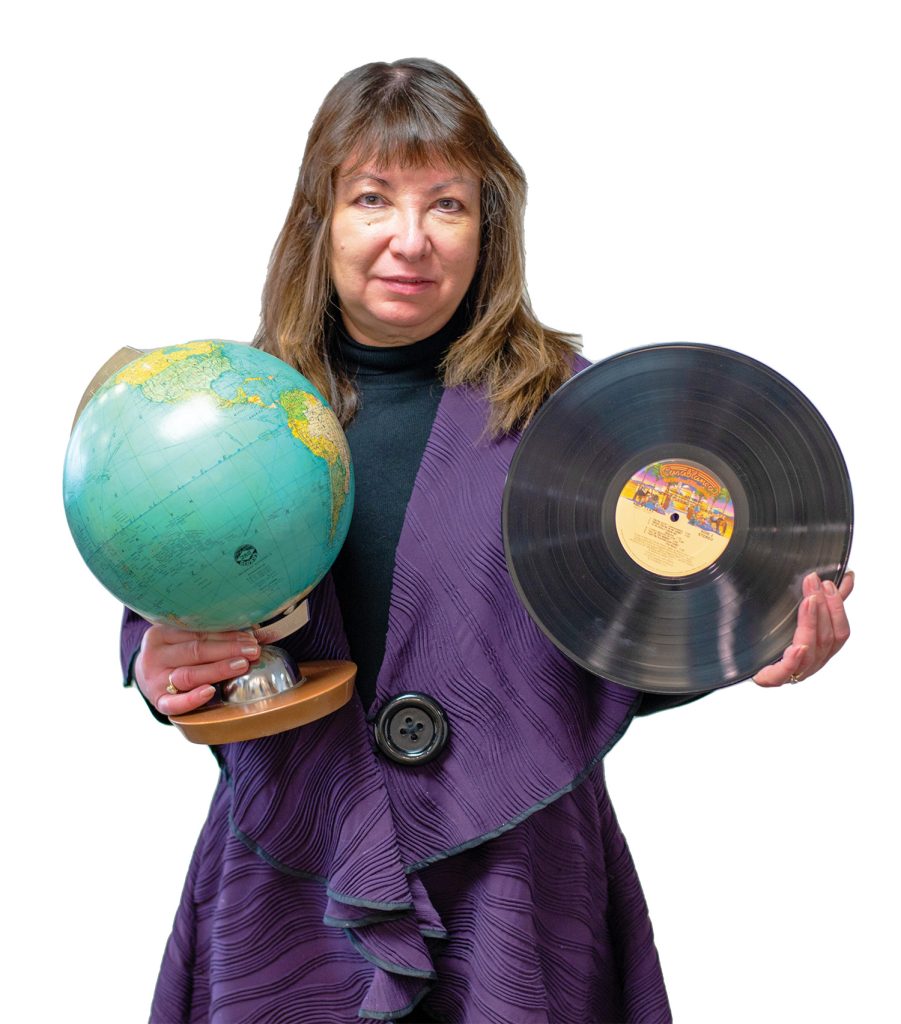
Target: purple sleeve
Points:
(133, 630)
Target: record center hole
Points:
(674, 518)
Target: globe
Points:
(208, 485)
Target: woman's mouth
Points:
(403, 285)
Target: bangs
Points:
(402, 131)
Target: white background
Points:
(710, 172)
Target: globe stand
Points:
(270, 699)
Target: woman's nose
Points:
(409, 240)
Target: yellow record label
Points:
(674, 518)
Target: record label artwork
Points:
(674, 518)
(665, 549)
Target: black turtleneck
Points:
(400, 388)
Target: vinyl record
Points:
(662, 510)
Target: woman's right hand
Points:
(191, 663)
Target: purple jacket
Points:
(492, 884)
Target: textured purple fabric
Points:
(493, 884)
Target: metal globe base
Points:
(270, 699)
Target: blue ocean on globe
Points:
(208, 485)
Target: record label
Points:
(674, 518)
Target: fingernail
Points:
(162, 705)
(250, 650)
(814, 581)
(239, 665)
(829, 587)
(246, 636)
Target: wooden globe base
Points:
(327, 686)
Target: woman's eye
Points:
(370, 199)
(449, 205)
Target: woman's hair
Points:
(414, 113)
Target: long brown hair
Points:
(414, 112)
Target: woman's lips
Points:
(407, 285)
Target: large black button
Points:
(411, 729)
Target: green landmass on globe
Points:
(208, 484)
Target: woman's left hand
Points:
(821, 632)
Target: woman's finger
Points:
(784, 670)
(200, 651)
(176, 635)
(805, 634)
(810, 584)
(815, 629)
(847, 585)
(182, 703)
(189, 677)
(835, 603)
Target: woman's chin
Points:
(396, 326)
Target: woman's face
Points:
(404, 248)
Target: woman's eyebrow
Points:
(366, 176)
(451, 181)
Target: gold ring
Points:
(794, 679)
(171, 687)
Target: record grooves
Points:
(662, 510)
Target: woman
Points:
(333, 880)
